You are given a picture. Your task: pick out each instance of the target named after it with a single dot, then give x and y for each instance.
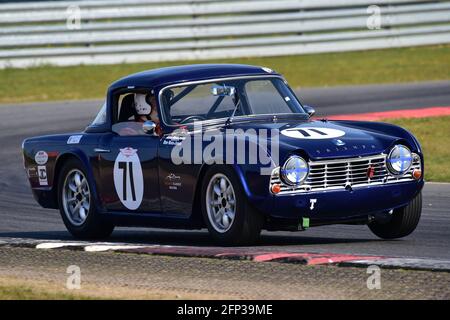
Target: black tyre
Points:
(228, 215)
(403, 222)
(76, 203)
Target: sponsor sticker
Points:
(74, 139)
(41, 157)
(174, 140)
(172, 181)
(128, 178)
(312, 203)
(32, 172)
(42, 174)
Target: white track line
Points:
(101, 248)
(56, 245)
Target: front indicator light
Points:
(417, 174)
(276, 188)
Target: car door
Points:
(128, 168)
(178, 181)
(187, 104)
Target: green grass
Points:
(13, 288)
(20, 292)
(434, 136)
(330, 69)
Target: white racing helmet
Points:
(141, 106)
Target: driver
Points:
(145, 106)
(145, 110)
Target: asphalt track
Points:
(21, 217)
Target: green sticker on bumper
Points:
(305, 223)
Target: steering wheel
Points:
(190, 118)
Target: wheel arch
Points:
(62, 160)
(196, 205)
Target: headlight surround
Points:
(399, 160)
(295, 170)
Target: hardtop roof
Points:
(176, 74)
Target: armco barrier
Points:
(112, 31)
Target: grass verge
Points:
(13, 288)
(434, 136)
(29, 293)
(329, 69)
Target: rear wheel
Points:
(403, 222)
(228, 215)
(76, 203)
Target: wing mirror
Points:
(149, 127)
(309, 110)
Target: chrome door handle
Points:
(99, 150)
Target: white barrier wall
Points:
(112, 31)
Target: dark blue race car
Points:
(230, 148)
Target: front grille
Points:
(339, 174)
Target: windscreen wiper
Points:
(236, 106)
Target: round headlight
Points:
(399, 160)
(295, 170)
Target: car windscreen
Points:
(221, 99)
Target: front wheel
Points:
(403, 222)
(228, 215)
(76, 204)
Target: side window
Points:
(128, 128)
(126, 124)
(126, 107)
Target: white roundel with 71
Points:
(128, 178)
(312, 133)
